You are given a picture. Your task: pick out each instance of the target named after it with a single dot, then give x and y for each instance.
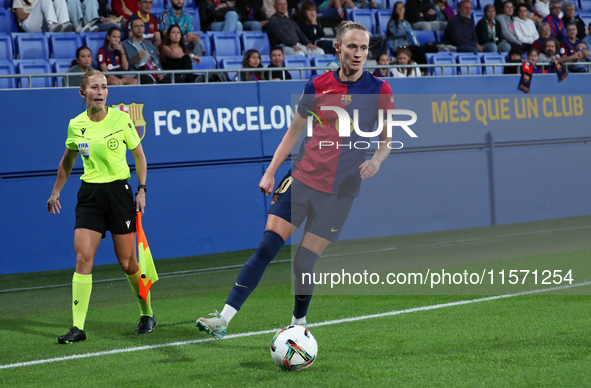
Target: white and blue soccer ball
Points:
(294, 348)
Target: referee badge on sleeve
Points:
(84, 149)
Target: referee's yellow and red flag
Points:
(148, 274)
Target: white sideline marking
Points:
(237, 266)
(325, 323)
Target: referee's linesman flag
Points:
(148, 274)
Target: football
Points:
(294, 348)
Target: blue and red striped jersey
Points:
(335, 169)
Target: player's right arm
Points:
(63, 172)
(289, 140)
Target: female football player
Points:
(102, 136)
(323, 181)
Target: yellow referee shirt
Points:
(103, 145)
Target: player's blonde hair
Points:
(346, 26)
(85, 80)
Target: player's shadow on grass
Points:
(32, 327)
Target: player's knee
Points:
(270, 245)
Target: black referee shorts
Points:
(106, 206)
(293, 201)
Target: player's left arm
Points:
(370, 167)
(141, 169)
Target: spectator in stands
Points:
(277, 58)
(489, 32)
(499, 4)
(444, 12)
(554, 20)
(545, 33)
(124, 8)
(383, 60)
(81, 64)
(269, 8)
(507, 25)
(311, 27)
(111, 57)
(530, 11)
(567, 46)
(107, 19)
(460, 31)
(587, 39)
(569, 16)
(142, 55)
(582, 54)
(542, 8)
(399, 33)
(251, 60)
(42, 15)
(549, 50)
(176, 15)
(218, 15)
(83, 15)
(404, 57)
(513, 57)
(174, 55)
(338, 5)
(421, 15)
(252, 15)
(532, 57)
(525, 29)
(151, 30)
(284, 31)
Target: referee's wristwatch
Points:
(143, 187)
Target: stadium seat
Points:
(194, 18)
(492, 58)
(363, 16)
(7, 21)
(438, 36)
(64, 45)
(6, 67)
(382, 18)
(425, 36)
(322, 61)
(30, 45)
(27, 66)
(60, 66)
(206, 42)
(234, 62)
(94, 41)
(443, 59)
(6, 47)
(483, 3)
(469, 58)
(298, 61)
(191, 4)
(226, 44)
(157, 4)
(255, 40)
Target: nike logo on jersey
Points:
(327, 91)
(239, 285)
(333, 230)
(128, 223)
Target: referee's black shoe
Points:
(146, 325)
(74, 335)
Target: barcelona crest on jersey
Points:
(346, 99)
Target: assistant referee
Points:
(102, 136)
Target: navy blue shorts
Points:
(106, 206)
(293, 201)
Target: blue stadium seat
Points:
(30, 45)
(363, 16)
(28, 66)
(6, 52)
(194, 18)
(322, 61)
(207, 62)
(255, 40)
(469, 58)
(60, 66)
(157, 4)
(94, 41)
(298, 61)
(492, 58)
(443, 59)
(265, 61)
(438, 36)
(6, 67)
(483, 3)
(382, 18)
(7, 21)
(234, 62)
(64, 45)
(206, 42)
(191, 4)
(425, 36)
(226, 44)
